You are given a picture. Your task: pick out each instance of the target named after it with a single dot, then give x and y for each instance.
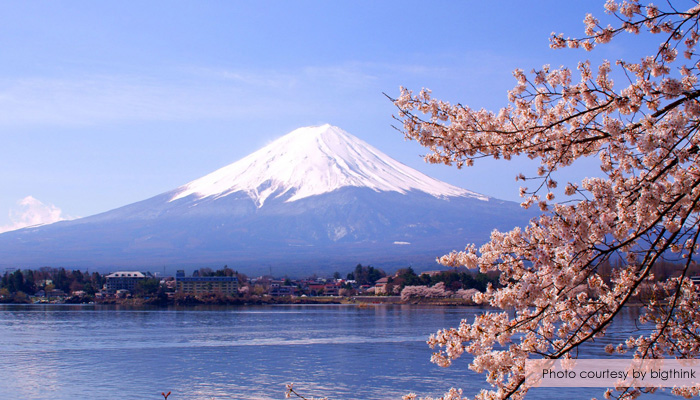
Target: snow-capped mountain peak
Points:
(315, 160)
(323, 197)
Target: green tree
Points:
(366, 275)
(29, 282)
(147, 287)
(21, 297)
(61, 280)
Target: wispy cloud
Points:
(351, 73)
(197, 93)
(97, 100)
(31, 212)
(86, 101)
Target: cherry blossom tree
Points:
(643, 210)
(436, 291)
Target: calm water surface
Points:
(62, 352)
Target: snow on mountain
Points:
(314, 201)
(315, 160)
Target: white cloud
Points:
(30, 212)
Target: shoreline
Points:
(192, 301)
(361, 301)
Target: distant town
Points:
(227, 286)
(363, 284)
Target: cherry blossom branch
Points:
(645, 207)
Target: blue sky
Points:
(106, 103)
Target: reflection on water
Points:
(343, 352)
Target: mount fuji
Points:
(314, 201)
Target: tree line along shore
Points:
(362, 285)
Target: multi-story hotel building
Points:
(206, 284)
(124, 280)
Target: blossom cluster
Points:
(420, 291)
(643, 210)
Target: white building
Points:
(125, 280)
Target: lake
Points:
(67, 352)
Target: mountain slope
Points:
(311, 161)
(316, 200)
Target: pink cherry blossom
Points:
(645, 208)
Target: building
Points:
(51, 293)
(316, 288)
(279, 290)
(380, 286)
(332, 289)
(206, 284)
(124, 280)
